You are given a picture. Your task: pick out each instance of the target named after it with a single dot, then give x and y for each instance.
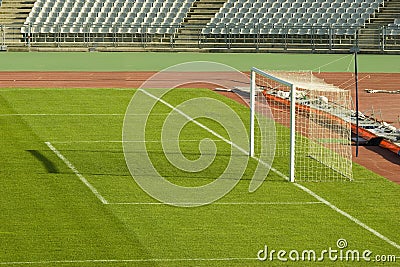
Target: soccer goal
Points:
(312, 125)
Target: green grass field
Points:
(83, 208)
(158, 61)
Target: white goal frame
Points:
(333, 152)
(292, 116)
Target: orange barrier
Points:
(367, 135)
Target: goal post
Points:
(253, 93)
(312, 125)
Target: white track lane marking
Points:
(65, 89)
(80, 176)
(303, 188)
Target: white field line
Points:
(121, 261)
(51, 263)
(120, 141)
(244, 151)
(77, 114)
(303, 188)
(360, 223)
(80, 176)
(224, 203)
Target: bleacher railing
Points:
(249, 36)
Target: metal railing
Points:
(249, 36)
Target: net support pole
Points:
(292, 132)
(252, 112)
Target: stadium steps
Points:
(197, 18)
(14, 12)
(386, 14)
(202, 11)
(369, 37)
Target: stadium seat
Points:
(393, 29)
(321, 13)
(104, 13)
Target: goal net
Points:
(312, 125)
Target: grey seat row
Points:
(295, 14)
(50, 15)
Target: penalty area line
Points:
(301, 187)
(77, 173)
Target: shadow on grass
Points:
(48, 164)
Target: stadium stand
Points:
(292, 16)
(106, 16)
(214, 24)
(393, 29)
(14, 11)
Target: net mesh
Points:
(323, 127)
